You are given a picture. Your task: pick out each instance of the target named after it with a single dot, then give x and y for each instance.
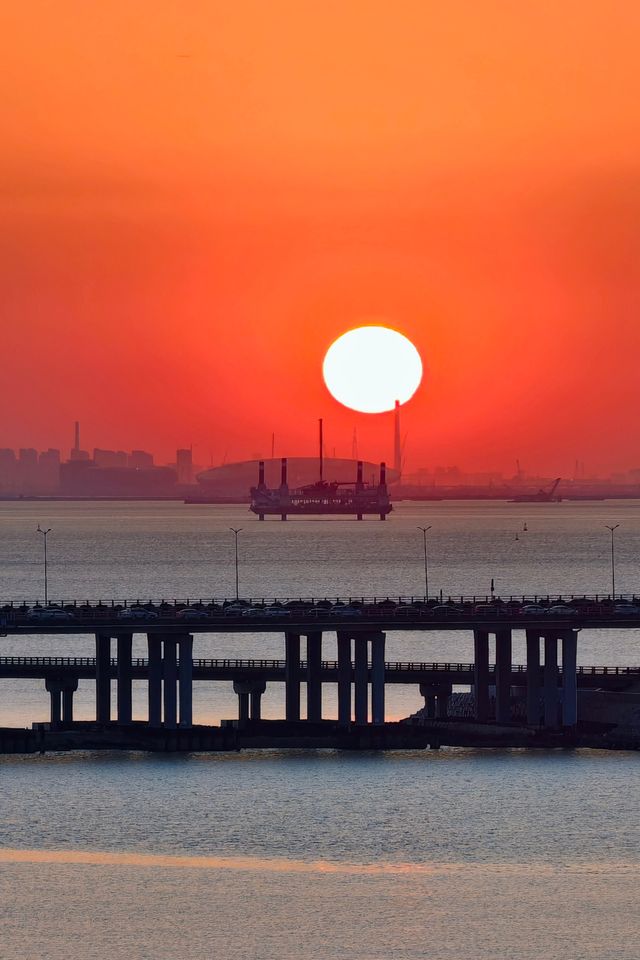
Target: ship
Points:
(339, 498)
(542, 496)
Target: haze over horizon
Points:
(198, 200)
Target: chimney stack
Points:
(397, 445)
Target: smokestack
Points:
(359, 476)
(261, 473)
(321, 449)
(283, 472)
(397, 446)
(77, 435)
(383, 474)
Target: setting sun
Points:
(369, 368)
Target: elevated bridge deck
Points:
(396, 672)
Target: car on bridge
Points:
(50, 614)
(191, 614)
(533, 610)
(136, 613)
(561, 610)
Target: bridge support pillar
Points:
(503, 676)
(185, 680)
(292, 675)
(69, 687)
(103, 678)
(154, 643)
(170, 682)
(361, 678)
(344, 679)
(533, 678)
(551, 680)
(242, 688)
(314, 682)
(53, 686)
(481, 674)
(124, 645)
(569, 679)
(377, 677)
(258, 687)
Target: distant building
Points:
(8, 471)
(140, 460)
(86, 479)
(49, 471)
(108, 459)
(28, 470)
(184, 466)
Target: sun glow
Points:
(369, 368)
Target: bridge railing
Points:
(108, 605)
(234, 664)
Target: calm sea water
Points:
(449, 854)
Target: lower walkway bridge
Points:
(250, 677)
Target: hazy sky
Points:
(197, 198)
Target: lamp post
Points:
(613, 559)
(235, 531)
(426, 561)
(44, 540)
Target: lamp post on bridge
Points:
(613, 559)
(426, 561)
(235, 531)
(46, 582)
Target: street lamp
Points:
(613, 560)
(235, 531)
(44, 540)
(426, 561)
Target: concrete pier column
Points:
(344, 679)
(533, 678)
(481, 674)
(361, 645)
(242, 688)
(551, 680)
(314, 681)
(503, 676)
(185, 680)
(154, 683)
(292, 675)
(69, 687)
(258, 687)
(54, 689)
(103, 678)
(377, 677)
(124, 644)
(170, 683)
(569, 679)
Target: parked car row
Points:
(433, 609)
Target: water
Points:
(449, 854)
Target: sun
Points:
(369, 368)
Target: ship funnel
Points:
(383, 474)
(283, 472)
(261, 473)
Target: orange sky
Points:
(198, 198)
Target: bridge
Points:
(358, 626)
